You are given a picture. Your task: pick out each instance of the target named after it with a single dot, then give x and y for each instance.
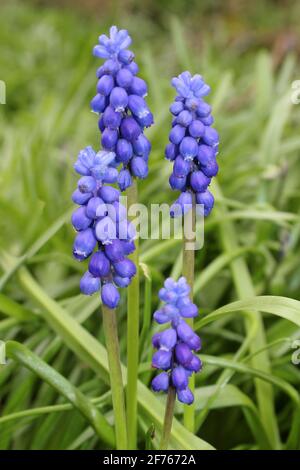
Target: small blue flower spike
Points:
(175, 345)
(193, 146)
(101, 223)
(123, 111)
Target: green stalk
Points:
(169, 413)
(188, 271)
(133, 305)
(116, 382)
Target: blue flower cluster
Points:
(101, 223)
(193, 143)
(120, 103)
(175, 345)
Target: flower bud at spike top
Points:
(192, 139)
(98, 220)
(120, 102)
(175, 345)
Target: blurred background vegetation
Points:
(249, 53)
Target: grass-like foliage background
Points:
(54, 388)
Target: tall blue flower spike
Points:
(104, 234)
(175, 345)
(193, 146)
(123, 112)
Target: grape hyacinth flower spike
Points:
(104, 234)
(193, 146)
(123, 117)
(123, 111)
(176, 345)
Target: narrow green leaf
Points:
(24, 356)
(94, 354)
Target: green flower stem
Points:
(188, 271)
(133, 305)
(169, 413)
(116, 382)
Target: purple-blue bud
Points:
(118, 99)
(194, 342)
(177, 134)
(183, 354)
(105, 230)
(156, 340)
(162, 359)
(138, 87)
(110, 67)
(101, 125)
(138, 106)
(208, 120)
(128, 247)
(207, 199)
(98, 103)
(80, 220)
(133, 67)
(189, 311)
(192, 104)
(125, 56)
(111, 118)
(141, 146)
(146, 120)
(184, 118)
(122, 281)
(205, 154)
(181, 167)
(125, 268)
(199, 181)
(171, 151)
(124, 78)
(185, 200)
(139, 167)
(105, 85)
(161, 317)
(176, 107)
(109, 139)
(89, 284)
(211, 136)
(211, 169)
(168, 339)
(130, 130)
(188, 147)
(114, 250)
(195, 364)
(184, 331)
(196, 129)
(99, 264)
(177, 183)
(110, 295)
(109, 194)
(124, 179)
(179, 378)
(87, 184)
(160, 383)
(84, 244)
(203, 109)
(124, 150)
(185, 396)
(111, 175)
(81, 198)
